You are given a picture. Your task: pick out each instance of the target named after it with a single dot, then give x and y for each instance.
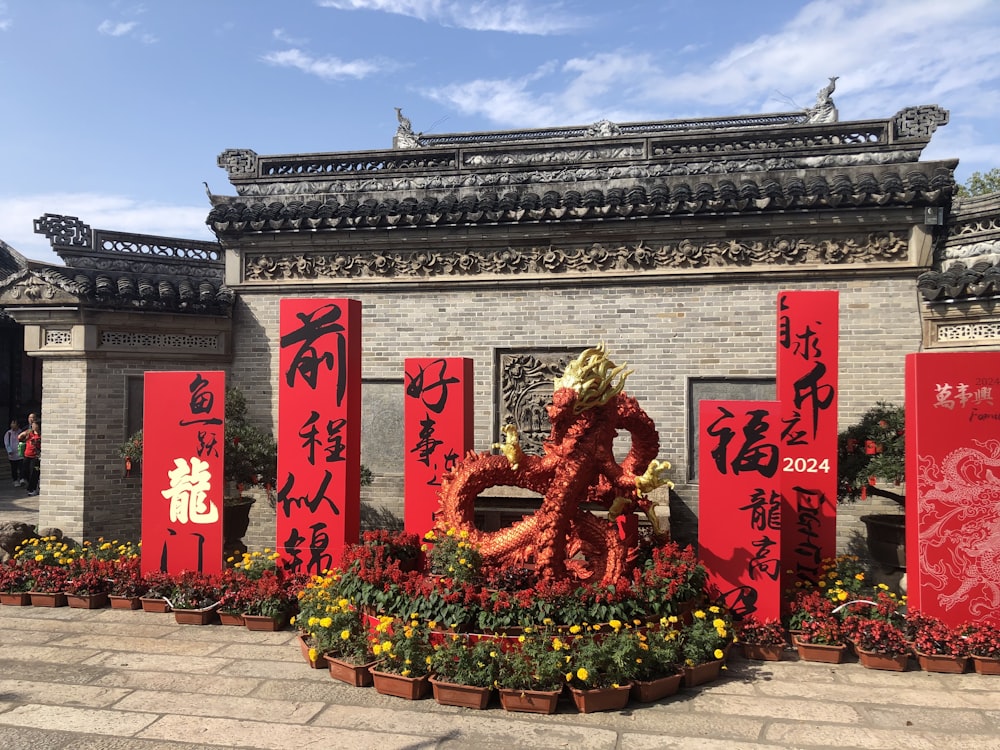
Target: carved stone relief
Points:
(512, 261)
(919, 122)
(526, 387)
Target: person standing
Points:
(10, 441)
(32, 438)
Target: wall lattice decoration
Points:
(124, 339)
(58, 337)
(969, 332)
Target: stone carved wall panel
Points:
(511, 261)
(525, 393)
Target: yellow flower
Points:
(345, 635)
(326, 622)
(842, 595)
(569, 677)
(700, 614)
(556, 644)
(313, 653)
(714, 610)
(616, 624)
(582, 674)
(464, 534)
(718, 623)
(574, 629)
(377, 649)
(405, 673)
(718, 653)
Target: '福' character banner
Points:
(183, 434)
(807, 388)
(953, 485)
(319, 432)
(438, 431)
(739, 502)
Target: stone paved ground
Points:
(110, 679)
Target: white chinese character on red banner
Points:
(189, 487)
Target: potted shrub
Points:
(340, 638)
(983, 641)
(762, 639)
(88, 582)
(194, 598)
(465, 670)
(821, 639)
(13, 584)
(267, 601)
(940, 648)
(881, 645)
(159, 586)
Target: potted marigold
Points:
(760, 638)
(706, 641)
(603, 661)
(465, 670)
(404, 652)
(341, 638)
(658, 664)
(532, 671)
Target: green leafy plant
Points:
(707, 637)
(452, 555)
(661, 650)
(873, 451)
(532, 662)
(403, 647)
(466, 661)
(602, 656)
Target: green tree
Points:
(980, 183)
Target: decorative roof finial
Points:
(824, 110)
(405, 137)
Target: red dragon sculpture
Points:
(577, 467)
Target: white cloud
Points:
(117, 28)
(285, 38)
(113, 212)
(889, 55)
(513, 17)
(328, 68)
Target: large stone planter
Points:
(887, 539)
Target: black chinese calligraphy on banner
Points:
(319, 432)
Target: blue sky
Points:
(115, 111)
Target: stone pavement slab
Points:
(110, 679)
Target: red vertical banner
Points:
(319, 432)
(183, 435)
(953, 485)
(739, 504)
(807, 388)
(438, 431)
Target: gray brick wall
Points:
(668, 333)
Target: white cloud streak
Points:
(513, 17)
(327, 68)
(117, 28)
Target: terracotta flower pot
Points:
(410, 688)
(463, 696)
(47, 599)
(888, 662)
(986, 664)
(87, 601)
(194, 616)
(15, 599)
(319, 662)
(762, 651)
(231, 618)
(821, 652)
(264, 622)
(529, 701)
(699, 674)
(647, 691)
(942, 663)
(154, 604)
(125, 602)
(600, 699)
(358, 675)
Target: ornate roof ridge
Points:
(923, 183)
(980, 280)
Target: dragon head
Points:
(593, 376)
